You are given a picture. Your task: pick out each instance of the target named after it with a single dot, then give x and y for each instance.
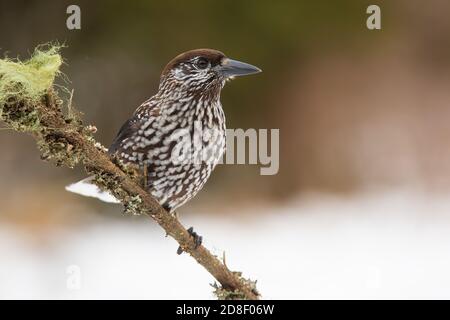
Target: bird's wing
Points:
(123, 143)
(126, 132)
(132, 131)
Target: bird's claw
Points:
(197, 240)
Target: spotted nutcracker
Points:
(177, 136)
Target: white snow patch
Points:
(380, 246)
(88, 189)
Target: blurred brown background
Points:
(356, 108)
(361, 194)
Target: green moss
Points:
(108, 181)
(61, 151)
(28, 102)
(30, 79)
(25, 84)
(19, 115)
(132, 203)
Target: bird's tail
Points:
(87, 188)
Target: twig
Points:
(64, 140)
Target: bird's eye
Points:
(202, 63)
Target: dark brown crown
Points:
(215, 57)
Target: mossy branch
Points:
(30, 103)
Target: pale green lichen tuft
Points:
(30, 79)
(24, 84)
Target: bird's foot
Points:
(197, 240)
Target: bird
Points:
(176, 138)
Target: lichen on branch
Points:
(28, 103)
(29, 80)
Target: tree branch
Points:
(29, 103)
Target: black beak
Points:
(233, 68)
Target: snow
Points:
(87, 189)
(372, 246)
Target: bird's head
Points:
(202, 70)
